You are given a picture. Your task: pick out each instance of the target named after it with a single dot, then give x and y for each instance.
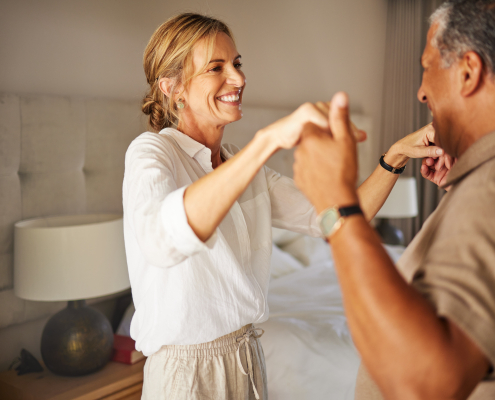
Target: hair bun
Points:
(155, 111)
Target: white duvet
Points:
(308, 348)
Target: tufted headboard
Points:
(65, 155)
(58, 155)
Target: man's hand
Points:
(325, 167)
(286, 132)
(359, 134)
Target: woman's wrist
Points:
(268, 140)
(395, 158)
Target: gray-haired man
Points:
(425, 330)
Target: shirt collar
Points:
(479, 152)
(194, 149)
(186, 143)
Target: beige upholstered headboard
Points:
(64, 155)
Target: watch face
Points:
(328, 221)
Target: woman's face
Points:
(214, 97)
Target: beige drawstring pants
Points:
(231, 367)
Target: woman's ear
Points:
(166, 85)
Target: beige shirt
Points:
(451, 261)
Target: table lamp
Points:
(72, 258)
(402, 203)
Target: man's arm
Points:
(409, 351)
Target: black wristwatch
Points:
(331, 219)
(389, 168)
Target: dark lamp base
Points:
(77, 340)
(390, 234)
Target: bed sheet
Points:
(307, 344)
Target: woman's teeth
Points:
(231, 99)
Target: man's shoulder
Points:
(462, 228)
(474, 196)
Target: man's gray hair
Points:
(465, 25)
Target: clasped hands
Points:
(326, 162)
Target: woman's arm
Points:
(209, 199)
(374, 191)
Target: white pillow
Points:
(283, 263)
(308, 250)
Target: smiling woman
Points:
(168, 65)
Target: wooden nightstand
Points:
(114, 381)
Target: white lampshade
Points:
(402, 202)
(70, 257)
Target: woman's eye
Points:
(216, 69)
(238, 65)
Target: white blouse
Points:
(186, 291)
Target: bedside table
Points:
(116, 381)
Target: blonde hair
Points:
(169, 55)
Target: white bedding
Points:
(308, 348)
(307, 344)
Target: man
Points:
(426, 329)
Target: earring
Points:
(180, 103)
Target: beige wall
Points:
(293, 51)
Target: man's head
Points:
(459, 70)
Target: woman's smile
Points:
(231, 98)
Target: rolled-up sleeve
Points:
(154, 206)
(174, 218)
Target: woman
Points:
(198, 216)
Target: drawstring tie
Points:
(245, 340)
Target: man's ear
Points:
(471, 70)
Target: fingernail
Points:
(439, 151)
(340, 100)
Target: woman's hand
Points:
(414, 145)
(359, 134)
(286, 132)
(436, 170)
(421, 144)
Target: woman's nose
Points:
(236, 77)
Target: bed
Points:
(308, 348)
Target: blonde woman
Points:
(198, 216)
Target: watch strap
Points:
(389, 168)
(350, 210)
(337, 216)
